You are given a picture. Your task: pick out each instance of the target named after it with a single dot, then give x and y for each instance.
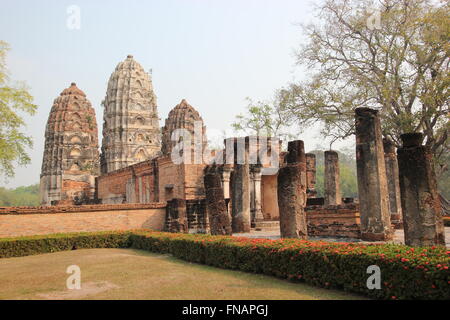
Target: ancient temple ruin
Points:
(70, 163)
(130, 119)
(247, 184)
(184, 123)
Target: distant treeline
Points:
(21, 196)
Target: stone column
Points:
(371, 172)
(226, 178)
(240, 190)
(256, 193)
(311, 175)
(422, 215)
(292, 192)
(217, 212)
(331, 179)
(390, 161)
(226, 173)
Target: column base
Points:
(371, 236)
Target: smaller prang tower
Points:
(71, 158)
(130, 120)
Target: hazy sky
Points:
(214, 53)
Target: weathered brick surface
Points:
(70, 160)
(334, 221)
(112, 187)
(176, 216)
(22, 221)
(153, 180)
(219, 221)
(421, 207)
(371, 173)
(291, 192)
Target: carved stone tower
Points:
(71, 157)
(130, 119)
(184, 117)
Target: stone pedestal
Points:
(240, 191)
(331, 179)
(292, 193)
(311, 175)
(217, 212)
(390, 161)
(422, 216)
(371, 171)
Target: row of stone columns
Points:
(382, 181)
(241, 184)
(379, 188)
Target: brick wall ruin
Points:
(339, 221)
(25, 221)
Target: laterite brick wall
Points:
(334, 221)
(22, 221)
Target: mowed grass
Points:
(135, 274)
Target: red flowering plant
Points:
(406, 272)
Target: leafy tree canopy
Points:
(14, 100)
(264, 119)
(391, 55)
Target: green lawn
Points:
(135, 274)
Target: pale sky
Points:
(213, 53)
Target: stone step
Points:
(267, 226)
(267, 229)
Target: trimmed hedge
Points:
(406, 272)
(25, 246)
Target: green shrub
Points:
(25, 246)
(406, 272)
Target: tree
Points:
(14, 98)
(21, 196)
(264, 119)
(394, 58)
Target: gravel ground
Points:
(398, 237)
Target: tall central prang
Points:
(130, 119)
